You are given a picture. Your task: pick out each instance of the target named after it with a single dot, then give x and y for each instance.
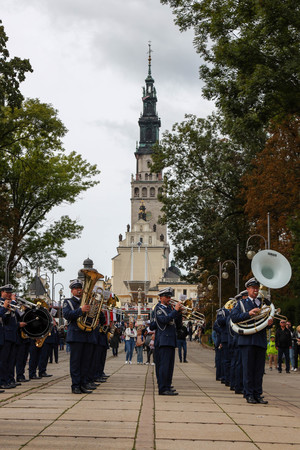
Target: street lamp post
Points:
(210, 286)
(61, 297)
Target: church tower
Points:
(143, 256)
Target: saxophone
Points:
(89, 320)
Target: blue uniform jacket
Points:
(217, 329)
(222, 315)
(71, 314)
(10, 325)
(166, 328)
(238, 315)
(2, 312)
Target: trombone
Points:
(187, 310)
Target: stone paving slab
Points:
(273, 434)
(34, 414)
(200, 431)
(191, 417)
(101, 414)
(165, 444)
(171, 405)
(266, 420)
(77, 428)
(14, 427)
(48, 443)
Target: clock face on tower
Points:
(148, 216)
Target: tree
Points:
(201, 201)
(12, 74)
(37, 175)
(251, 59)
(273, 184)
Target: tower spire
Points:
(149, 58)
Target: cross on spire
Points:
(149, 57)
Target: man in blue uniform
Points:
(221, 320)
(80, 341)
(253, 346)
(165, 340)
(8, 352)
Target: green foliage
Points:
(36, 176)
(201, 202)
(252, 60)
(12, 74)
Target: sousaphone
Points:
(273, 271)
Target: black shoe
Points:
(98, 380)
(2, 390)
(102, 380)
(218, 379)
(95, 384)
(22, 380)
(227, 384)
(16, 383)
(172, 389)
(89, 387)
(45, 375)
(85, 391)
(169, 393)
(7, 386)
(180, 360)
(76, 390)
(279, 371)
(223, 381)
(232, 388)
(288, 371)
(238, 392)
(104, 375)
(251, 399)
(261, 400)
(35, 377)
(185, 361)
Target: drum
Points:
(39, 322)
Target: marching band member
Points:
(80, 341)
(253, 346)
(165, 340)
(8, 351)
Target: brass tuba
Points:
(90, 296)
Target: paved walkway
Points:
(127, 413)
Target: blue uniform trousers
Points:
(38, 358)
(233, 362)
(166, 367)
(238, 369)
(5, 368)
(253, 358)
(101, 359)
(80, 360)
(218, 363)
(21, 358)
(225, 363)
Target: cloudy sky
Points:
(90, 62)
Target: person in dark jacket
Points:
(283, 342)
(182, 333)
(115, 341)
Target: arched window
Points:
(132, 239)
(150, 239)
(136, 192)
(144, 192)
(150, 176)
(146, 177)
(152, 192)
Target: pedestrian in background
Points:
(272, 352)
(139, 346)
(283, 342)
(130, 337)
